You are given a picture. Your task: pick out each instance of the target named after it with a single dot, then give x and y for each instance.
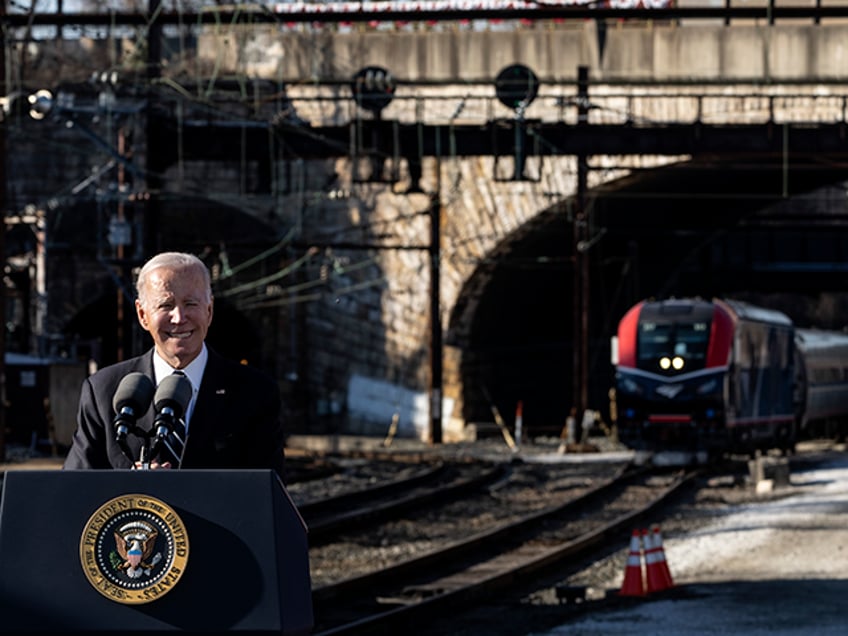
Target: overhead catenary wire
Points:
(232, 270)
(285, 271)
(261, 285)
(336, 293)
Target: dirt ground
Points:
(770, 564)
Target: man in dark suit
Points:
(233, 417)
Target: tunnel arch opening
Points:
(706, 227)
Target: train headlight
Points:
(665, 363)
(677, 363)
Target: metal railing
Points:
(402, 13)
(561, 104)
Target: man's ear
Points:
(142, 315)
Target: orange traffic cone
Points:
(662, 564)
(519, 420)
(655, 580)
(633, 584)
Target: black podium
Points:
(153, 550)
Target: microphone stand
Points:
(124, 429)
(145, 454)
(159, 434)
(152, 440)
(143, 458)
(163, 427)
(121, 438)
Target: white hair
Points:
(173, 261)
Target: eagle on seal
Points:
(135, 549)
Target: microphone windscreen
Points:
(135, 391)
(174, 391)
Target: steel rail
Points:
(329, 519)
(511, 566)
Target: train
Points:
(715, 377)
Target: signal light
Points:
(40, 104)
(373, 88)
(37, 105)
(516, 86)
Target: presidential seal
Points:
(134, 549)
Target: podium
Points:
(152, 550)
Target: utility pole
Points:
(581, 257)
(4, 88)
(435, 310)
(151, 240)
(120, 239)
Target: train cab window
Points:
(672, 347)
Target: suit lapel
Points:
(211, 411)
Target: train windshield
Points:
(672, 347)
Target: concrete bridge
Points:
(656, 158)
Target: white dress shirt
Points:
(194, 373)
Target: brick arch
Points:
(463, 311)
(511, 225)
(86, 281)
(640, 225)
(499, 295)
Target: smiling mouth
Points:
(182, 335)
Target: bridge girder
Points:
(384, 138)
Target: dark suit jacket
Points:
(235, 423)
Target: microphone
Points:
(170, 402)
(131, 401)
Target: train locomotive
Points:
(714, 377)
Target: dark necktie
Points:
(176, 438)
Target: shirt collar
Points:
(194, 371)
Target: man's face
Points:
(177, 312)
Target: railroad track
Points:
(300, 469)
(474, 568)
(431, 485)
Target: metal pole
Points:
(581, 257)
(583, 246)
(119, 252)
(435, 311)
(151, 240)
(3, 206)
